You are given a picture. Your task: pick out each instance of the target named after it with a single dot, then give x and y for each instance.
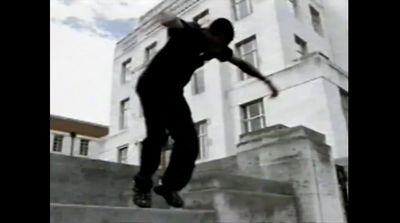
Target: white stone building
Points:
(73, 137)
(300, 44)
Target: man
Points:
(160, 89)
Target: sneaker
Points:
(171, 197)
(141, 198)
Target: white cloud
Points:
(81, 60)
(111, 9)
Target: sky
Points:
(83, 34)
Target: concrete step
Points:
(227, 165)
(67, 213)
(76, 180)
(239, 183)
(242, 206)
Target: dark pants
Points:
(166, 111)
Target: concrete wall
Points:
(297, 155)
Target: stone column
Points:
(300, 156)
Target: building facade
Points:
(74, 137)
(301, 45)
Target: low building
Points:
(75, 137)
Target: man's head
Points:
(223, 30)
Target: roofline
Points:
(78, 121)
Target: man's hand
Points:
(169, 20)
(254, 72)
(272, 87)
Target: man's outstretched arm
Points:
(254, 72)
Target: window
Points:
(123, 116)
(198, 82)
(242, 8)
(301, 46)
(316, 20)
(202, 19)
(57, 143)
(126, 75)
(151, 51)
(247, 50)
(345, 104)
(123, 154)
(201, 128)
(292, 6)
(84, 147)
(253, 116)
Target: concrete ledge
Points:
(239, 183)
(67, 213)
(225, 165)
(240, 206)
(299, 156)
(274, 134)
